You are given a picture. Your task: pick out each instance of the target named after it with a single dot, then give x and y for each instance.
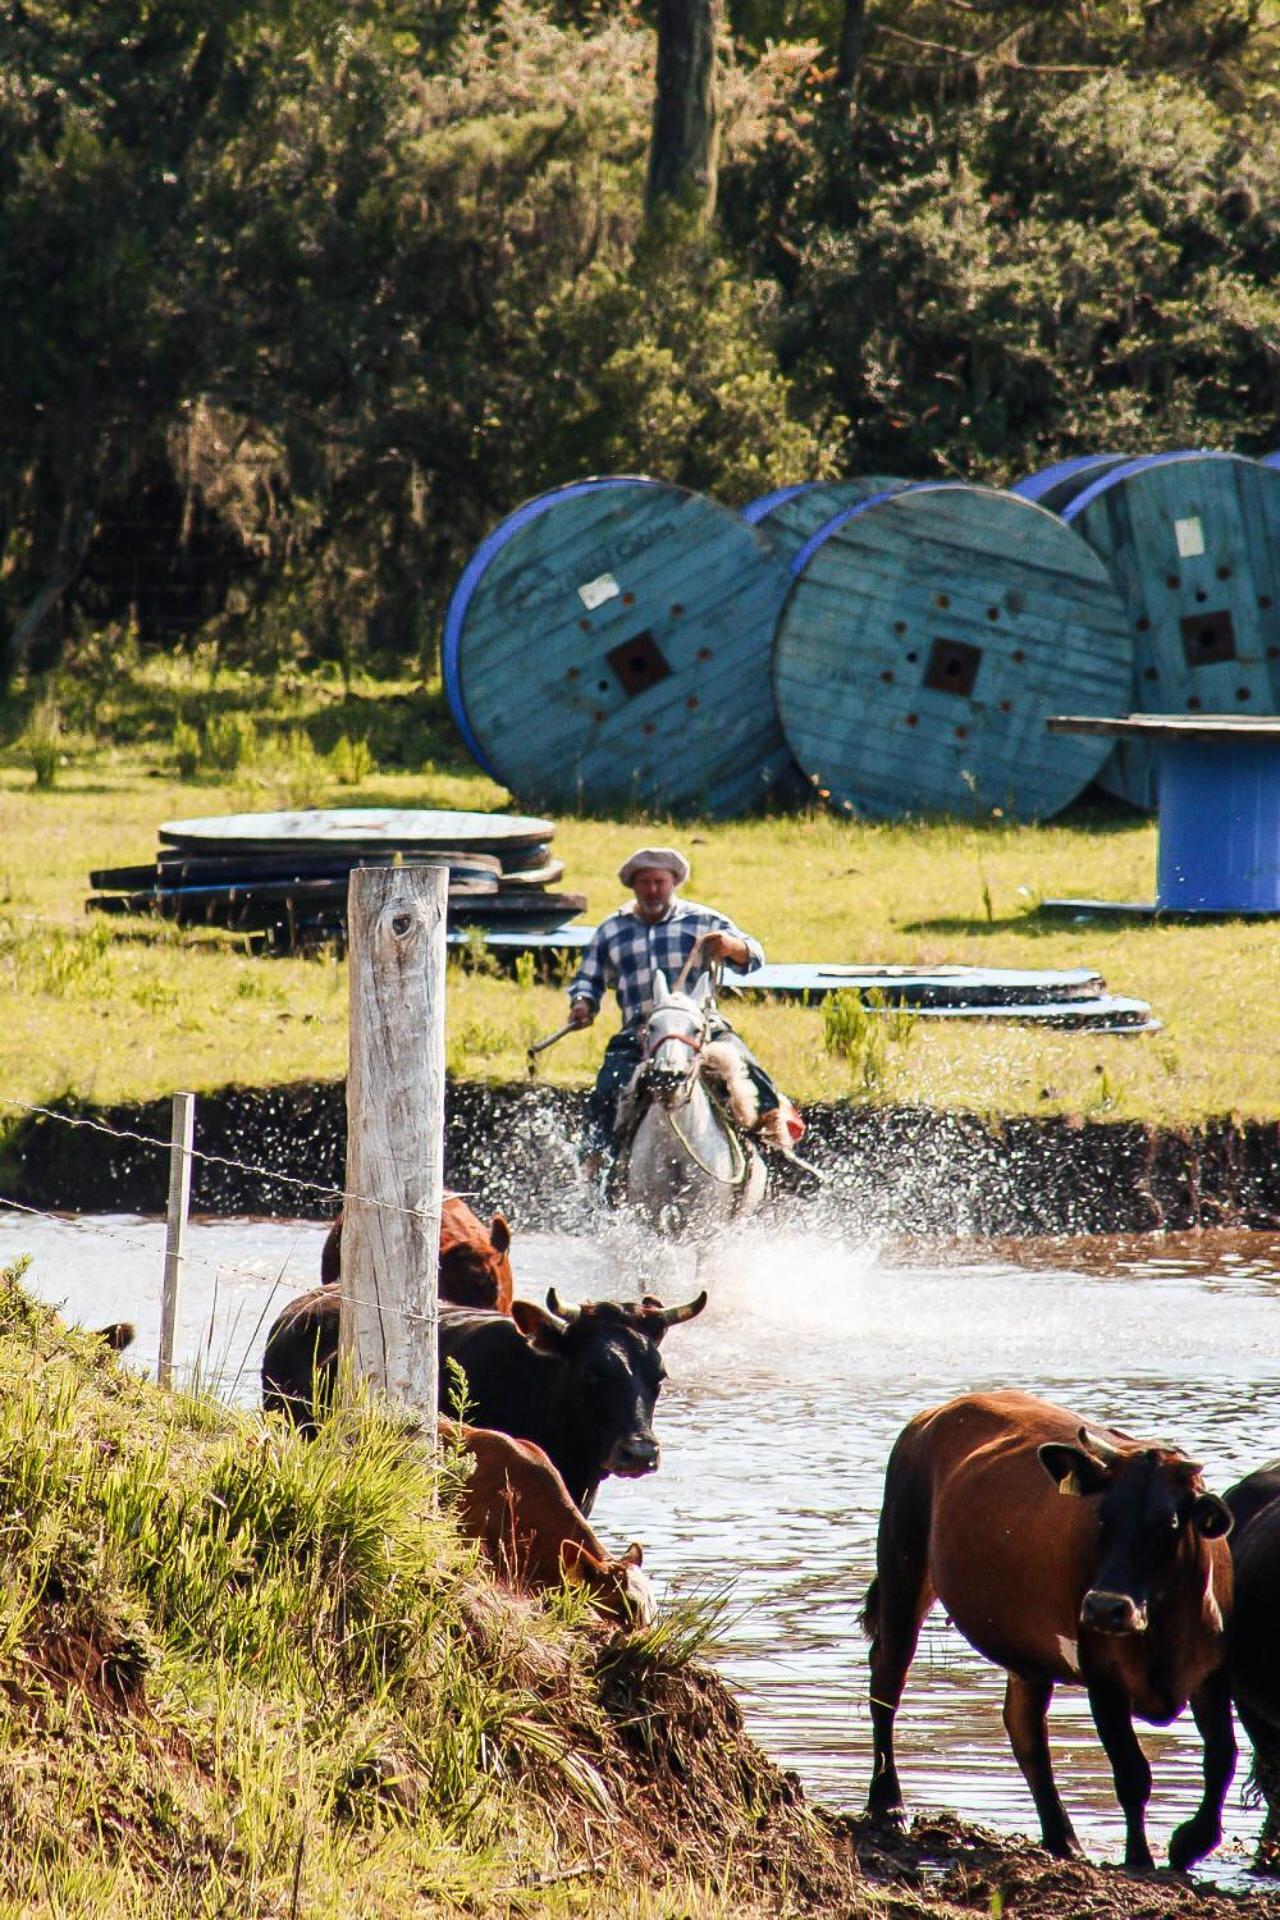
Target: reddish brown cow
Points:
(475, 1268)
(1124, 1588)
(518, 1508)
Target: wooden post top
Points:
(1170, 726)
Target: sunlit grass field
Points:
(114, 1009)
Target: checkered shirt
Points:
(625, 953)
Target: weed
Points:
(230, 742)
(186, 750)
(350, 761)
(526, 971)
(861, 1031)
(44, 743)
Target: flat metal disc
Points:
(333, 828)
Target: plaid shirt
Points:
(626, 952)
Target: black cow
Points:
(581, 1382)
(1253, 1640)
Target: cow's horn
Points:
(567, 1314)
(672, 1316)
(1101, 1450)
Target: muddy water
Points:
(783, 1402)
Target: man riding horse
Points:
(657, 932)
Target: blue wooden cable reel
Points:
(1055, 486)
(792, 515)
(1192, 540)
(608, 646)
(927, 637)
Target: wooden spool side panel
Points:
(1191, 543)
(927, 641)
(616, 652)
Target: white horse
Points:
(687, 1163)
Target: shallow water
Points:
(784, 1399)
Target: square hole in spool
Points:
(952, 666)
(1207, 637)
(638, 663)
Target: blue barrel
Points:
(927, 637)
(1219, 824)
(1192, 541)
(1054, 486)
(608, 645)
(790, 515)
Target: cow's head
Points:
(614, 1371)
(475, 1270)
(1153, 1508)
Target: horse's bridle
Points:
(694, 1042)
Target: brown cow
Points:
(1124, 1588)
(475, 1268)
(518, 1508)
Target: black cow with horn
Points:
(581, 1382)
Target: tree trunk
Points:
(684, 150)
(853, 36)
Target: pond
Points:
(784, 1399)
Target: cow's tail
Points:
(869, 1618)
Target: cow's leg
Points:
(1129, 1769)
(896, 1605)
(1026, 1707)
(1211, 1706)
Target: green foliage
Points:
(44, 743)
(228, 742)
(865, 1031)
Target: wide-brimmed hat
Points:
(664, 857)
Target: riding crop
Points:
(540, 1046)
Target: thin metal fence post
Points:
(184, 1113)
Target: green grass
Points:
(130, 1010)
(244, 1673)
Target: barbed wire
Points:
(324, 1188)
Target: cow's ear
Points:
(633, 1557)
(1211, 1516)
(542, 1332)
(1072, 1470)
(499, 1234)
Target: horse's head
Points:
(675, 1034)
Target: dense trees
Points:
(301, 298)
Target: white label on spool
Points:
(1190, 537)
(594, 593)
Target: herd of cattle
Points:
(1063, 1551)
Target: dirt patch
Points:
(947, 1866)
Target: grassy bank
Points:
(117, 1010)
(241, 1673)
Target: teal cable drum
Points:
(1055, 486)
(1192, 541)
(791, 515)
(927, 638)
(608, 646)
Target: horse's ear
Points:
(661, 991)
(702, 992)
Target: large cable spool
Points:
(792, 515)
(927, 637)
(1192, 541)
(1055, 486)
(608, 646)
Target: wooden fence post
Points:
(181, 1134)
(395, 1129)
